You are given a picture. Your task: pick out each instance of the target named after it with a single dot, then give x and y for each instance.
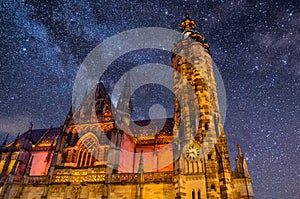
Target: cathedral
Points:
(90, 157)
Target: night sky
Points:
(255, 45)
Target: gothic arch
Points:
(87, 147)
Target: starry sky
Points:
(255, 45)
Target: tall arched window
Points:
(199, 194)
(88, 145)
(193, 194)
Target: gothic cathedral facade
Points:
(187, 159)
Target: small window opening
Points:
(206, 126)
(213, 187)
(209, 156)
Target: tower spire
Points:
(239, 150)
(188, 29)
(140, 185)
(15, 141)
(241, 165)
(188, 24)
(28, 139)
(124, 106)
(30, 126)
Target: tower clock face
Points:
(192, 152)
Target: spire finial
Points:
(187, 16)
(30, 126)
(241, 165)
(239, 150)
(124, 105)
(15, 141)
(188, 24)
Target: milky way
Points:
(254, 44)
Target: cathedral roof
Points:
(166, 129)
(38, 136)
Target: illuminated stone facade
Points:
(90, 157)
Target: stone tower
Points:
(202, 167)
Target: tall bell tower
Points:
(202, 165)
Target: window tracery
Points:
(87, 148)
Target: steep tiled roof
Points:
(38, 136)
(49, 136)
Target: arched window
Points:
(206, 126)
(193, 194)
(88, 145)
(213, 187)
(199, 194)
